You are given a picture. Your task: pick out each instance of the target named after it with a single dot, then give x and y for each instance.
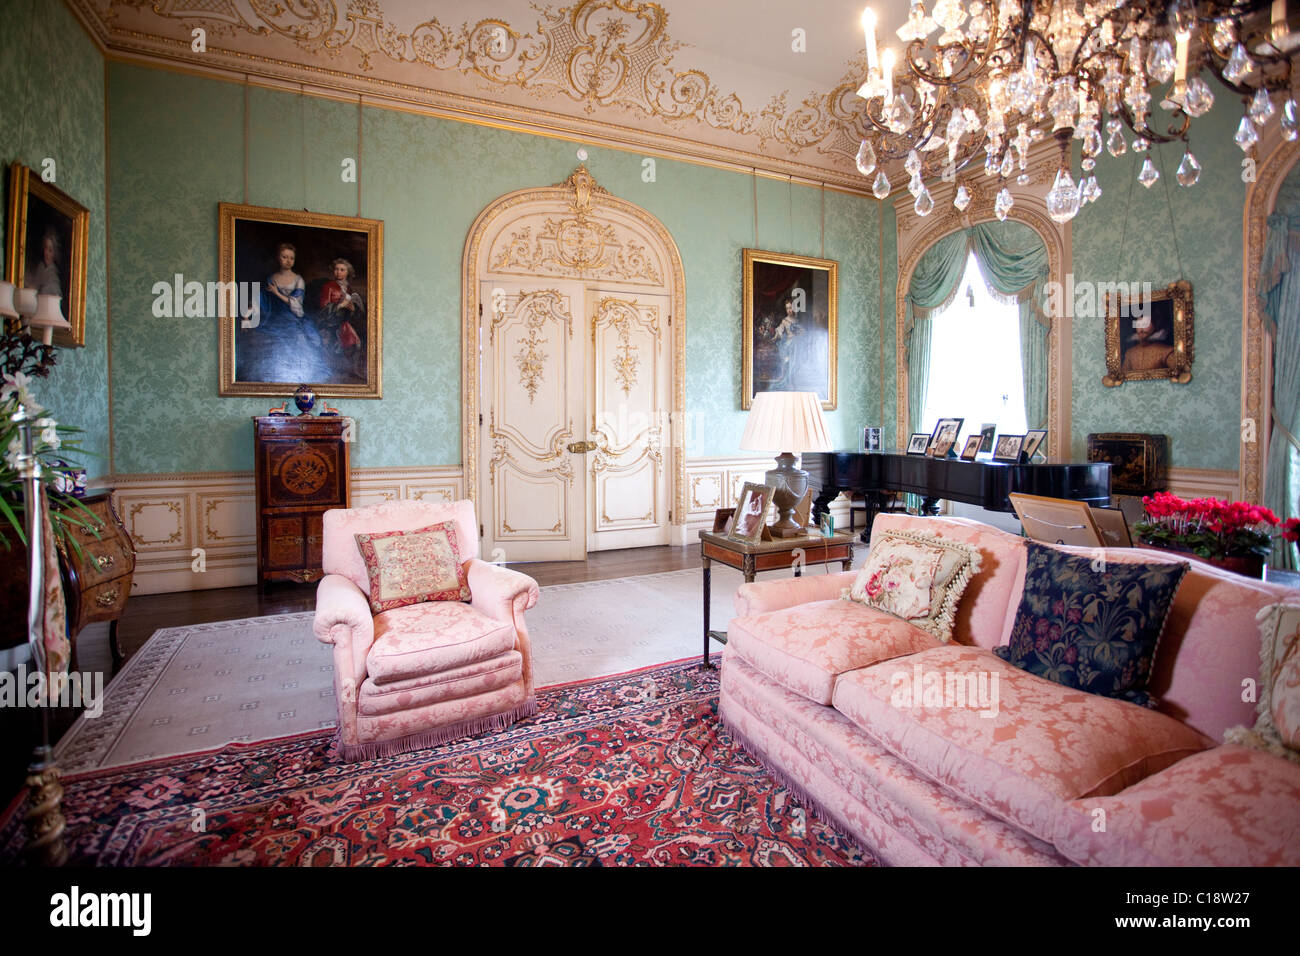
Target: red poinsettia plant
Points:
(1210, 527)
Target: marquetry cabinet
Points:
(97, 576)
(302, 466)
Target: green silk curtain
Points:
(1013, 261)
(1280, 290)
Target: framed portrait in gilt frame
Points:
(47, 247)
(1150, 339)
(788, 341)
(306, 302)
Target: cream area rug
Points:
(201, 687)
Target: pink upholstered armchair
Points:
(427, 673)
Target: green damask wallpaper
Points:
(177, 149)
(1128, 236)
(52, 105)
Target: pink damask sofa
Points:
(427, 673)
(815, 687)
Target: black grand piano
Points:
(985, 484)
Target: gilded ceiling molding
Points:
(615, 59)
(917, 234)
(1256, 346)
(601, 225)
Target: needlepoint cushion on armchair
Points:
(417, 675)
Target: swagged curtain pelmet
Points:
(1280, 290)
(1013, 261)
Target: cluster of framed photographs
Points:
(1007, 449)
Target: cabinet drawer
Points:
(101, 561)
(105, 601)
(283, 541)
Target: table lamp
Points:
(786, 422)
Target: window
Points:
(975, 368)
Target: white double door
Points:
(576, 385)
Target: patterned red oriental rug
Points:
(623, 771)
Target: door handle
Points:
(580, 447)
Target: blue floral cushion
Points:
(1092, 624)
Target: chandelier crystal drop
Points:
(1002, 205)
(962, 199)
(1261, 108)
(986, 79)
(880, 188)
(1149, 174)
(866, 160)
(1063, 197)
(1189, 170)
(1246, 136)
(924, 204)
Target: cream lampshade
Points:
(789, 423)
(48, 317)
(7, 307)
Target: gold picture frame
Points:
(47, 244)
(750, 519)
(1158, 343)
(789, 313)
(333, 339)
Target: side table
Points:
(750, 558)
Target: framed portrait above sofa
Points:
(309, 294)
(788, 342)
(47, 247)
(1149, 336)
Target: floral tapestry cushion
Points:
(917, 577)
(1277, 729)
(411, 567)
(1092, 624)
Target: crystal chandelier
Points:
(995, 76)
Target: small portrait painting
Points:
(48, 233)
(1150, 336)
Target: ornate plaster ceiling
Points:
(718, 80)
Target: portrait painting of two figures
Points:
(317, 281)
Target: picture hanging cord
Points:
(302, 141)
(789, 206)
(1128, 208)
(1173, 231)
(753, 171)
(823, 199)
(360, 119)
(27, 96)
(245, 139)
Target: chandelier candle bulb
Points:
(887, 68)
(869, 28)
(1279, 20)
(1180, 70)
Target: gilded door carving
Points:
(533, 362)
(629, 400)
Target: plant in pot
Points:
(1233, 535)
(21, 360)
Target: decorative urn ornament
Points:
(304, 396)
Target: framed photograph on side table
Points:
(987, 431)
(972, 447)
(751, 512)
(918, 443)
(1007, 449)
